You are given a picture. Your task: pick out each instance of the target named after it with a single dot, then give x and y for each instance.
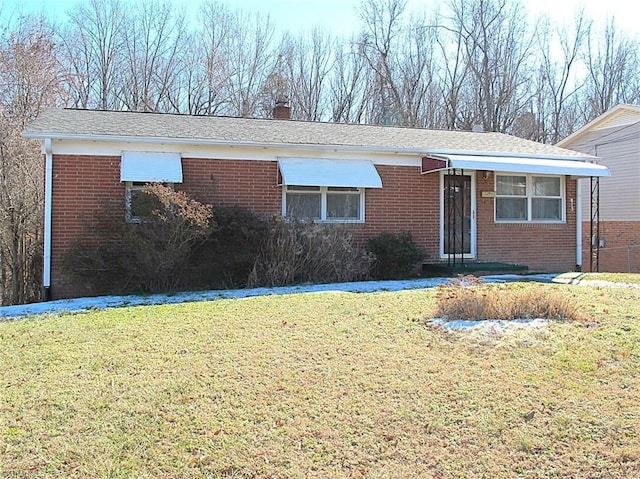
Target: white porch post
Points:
(579, 225)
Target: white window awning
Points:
(151, 167)
(509, 164)
(326, 172)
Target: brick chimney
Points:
(282, 110)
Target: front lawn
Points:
(320, 385)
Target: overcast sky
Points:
(340, 16)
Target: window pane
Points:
(343, 206)
(143, 204)
(303, 205)
(511, 209)
(546, 209)
(546, 186)
(302, 188)
(511, 185)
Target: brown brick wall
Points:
(542, 247)
(250, 184)
(620, 252)
(407, 201)
(83, 185)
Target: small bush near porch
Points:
(321, 385)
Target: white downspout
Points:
(578, 225)
(48, 185)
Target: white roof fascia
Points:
(571, 156)
(596, 121)
(542, 166)
(325, 172)
(151, 167)
(202, 141)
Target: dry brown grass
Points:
(467, 298)
(326, 385)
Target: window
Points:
(546, 203)
(529, 198)
(323, 203)
(139, 206)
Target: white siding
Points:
(619, 149)
(625, 117)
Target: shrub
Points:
(467, 298)
(148, 256)
(396, 255)
(305, 252)
(227, 257)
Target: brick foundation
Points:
(620, 246)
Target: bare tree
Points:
(400, 52)
(349, 84)
(497, 46)
(382, 26)
(92, 47)
(458, 110)
(551, 113)
(205, 72)
(416, 76)
(308, 63)
(152, 41)
(28, 83)
(250, 57)
(613, 66)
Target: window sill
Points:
(325, 222)
(536, 222)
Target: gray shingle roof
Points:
(69, 123)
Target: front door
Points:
(458, 215)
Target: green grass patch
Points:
(630, 278)
(320, 385)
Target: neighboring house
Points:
(614, 241)
(466, 196)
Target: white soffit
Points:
(541, 166)
(325, 172)
(151, 167)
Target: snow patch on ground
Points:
(101, 302)
(489, 325)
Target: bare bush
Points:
(148, 256)
(227, 257)
(467, 298)
(301, 252)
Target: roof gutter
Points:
(587, 158)
(48, 181)
(255, 144)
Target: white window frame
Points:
(323, 191)
(131, 186)
(529, 198)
